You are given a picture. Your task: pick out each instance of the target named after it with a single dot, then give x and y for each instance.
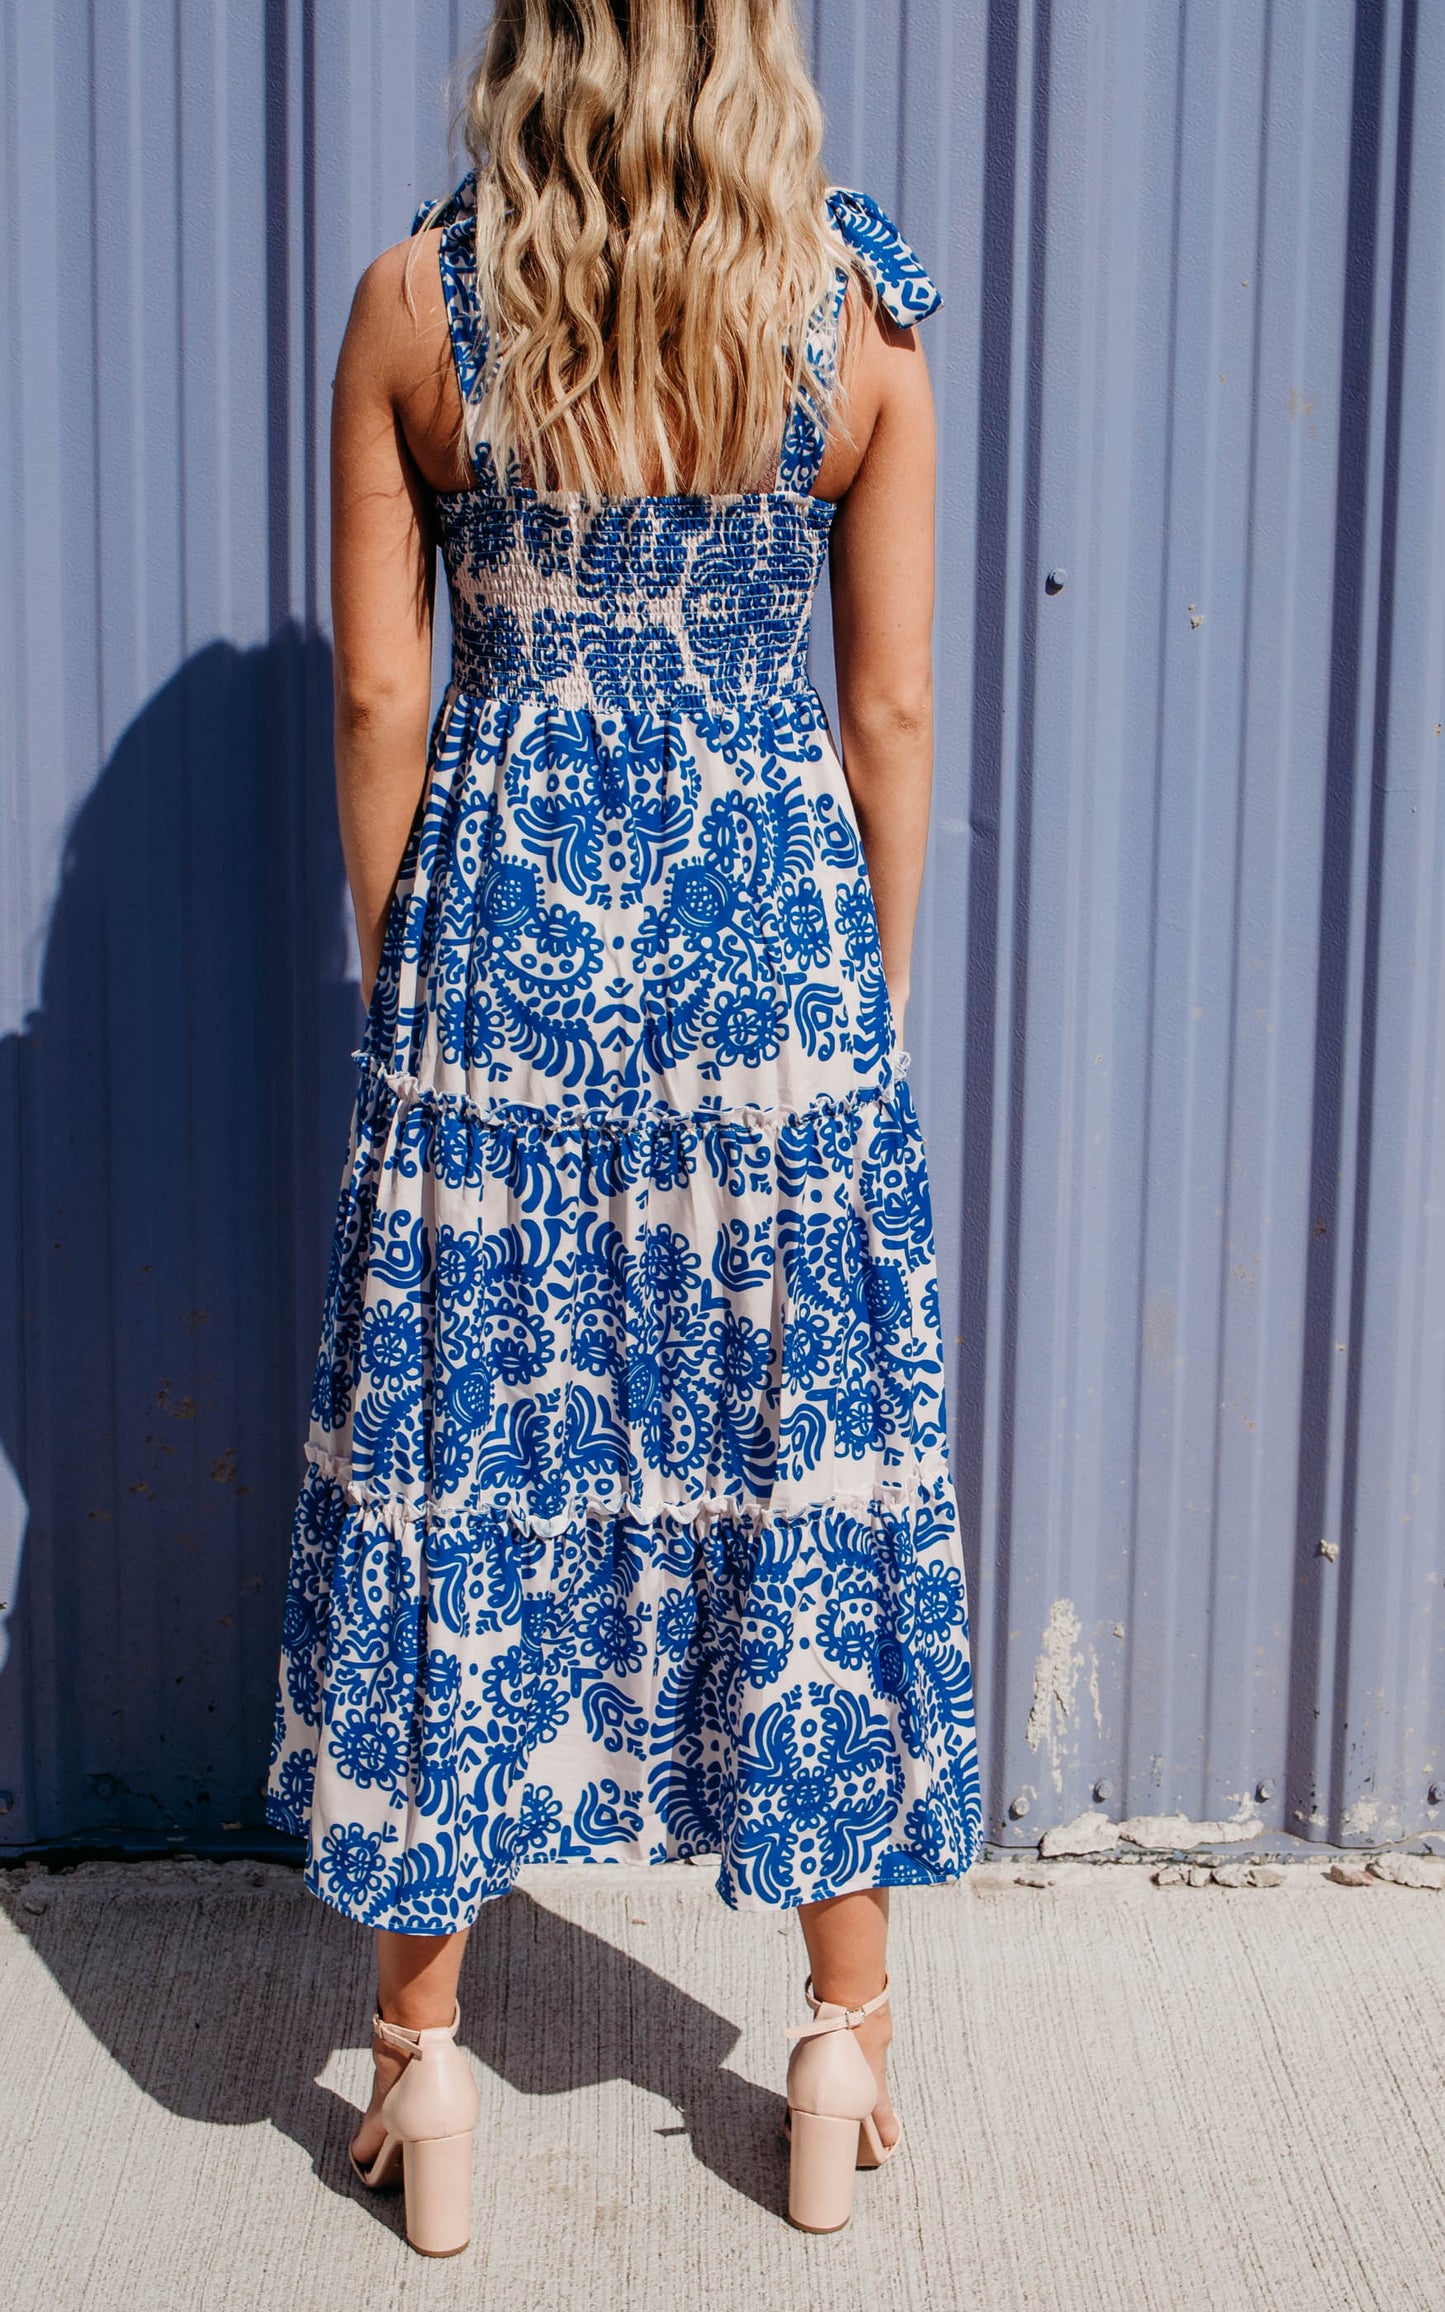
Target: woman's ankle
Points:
(416, 1979)
(846, 1987)
(415, 2009)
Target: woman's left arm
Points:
(383, 574)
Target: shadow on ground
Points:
(548, 2008)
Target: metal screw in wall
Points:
(1435, 1794)
(1056, 581)
(1103, 1790)
(1018, 1808)
(1264, 1790)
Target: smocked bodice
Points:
(632, 603)
(699, 603)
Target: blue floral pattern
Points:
(627, 1530)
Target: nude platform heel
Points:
(830, 2125)
(430, 2116)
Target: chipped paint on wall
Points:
(1094, 1691)
(1055, 1673)
(1370, 1818)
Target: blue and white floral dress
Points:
(628, 1531)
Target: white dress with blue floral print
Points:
(627, 1530)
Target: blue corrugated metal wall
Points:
(1181, 972)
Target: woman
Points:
(628, 1532)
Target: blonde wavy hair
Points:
(652, 241)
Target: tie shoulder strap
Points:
(457, 254)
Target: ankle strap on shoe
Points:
(841, 2019)
(403, 2041)
(395, 2036)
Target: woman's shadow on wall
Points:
(178, 1102)
(176, 1107)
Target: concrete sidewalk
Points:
(1118, 2097)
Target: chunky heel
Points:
(430, 2116)
(830, 2125)
(438, 2175)
(820, 2175)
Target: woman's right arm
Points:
(881, 575)
(383, 566)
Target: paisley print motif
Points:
(627, 1529)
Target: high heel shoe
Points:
(430, 2115)
(831, 2095)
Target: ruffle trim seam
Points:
(508, 1115)
(886, 1498)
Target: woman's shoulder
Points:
(397, 349)
(872, 240)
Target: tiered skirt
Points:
(627, 1530)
